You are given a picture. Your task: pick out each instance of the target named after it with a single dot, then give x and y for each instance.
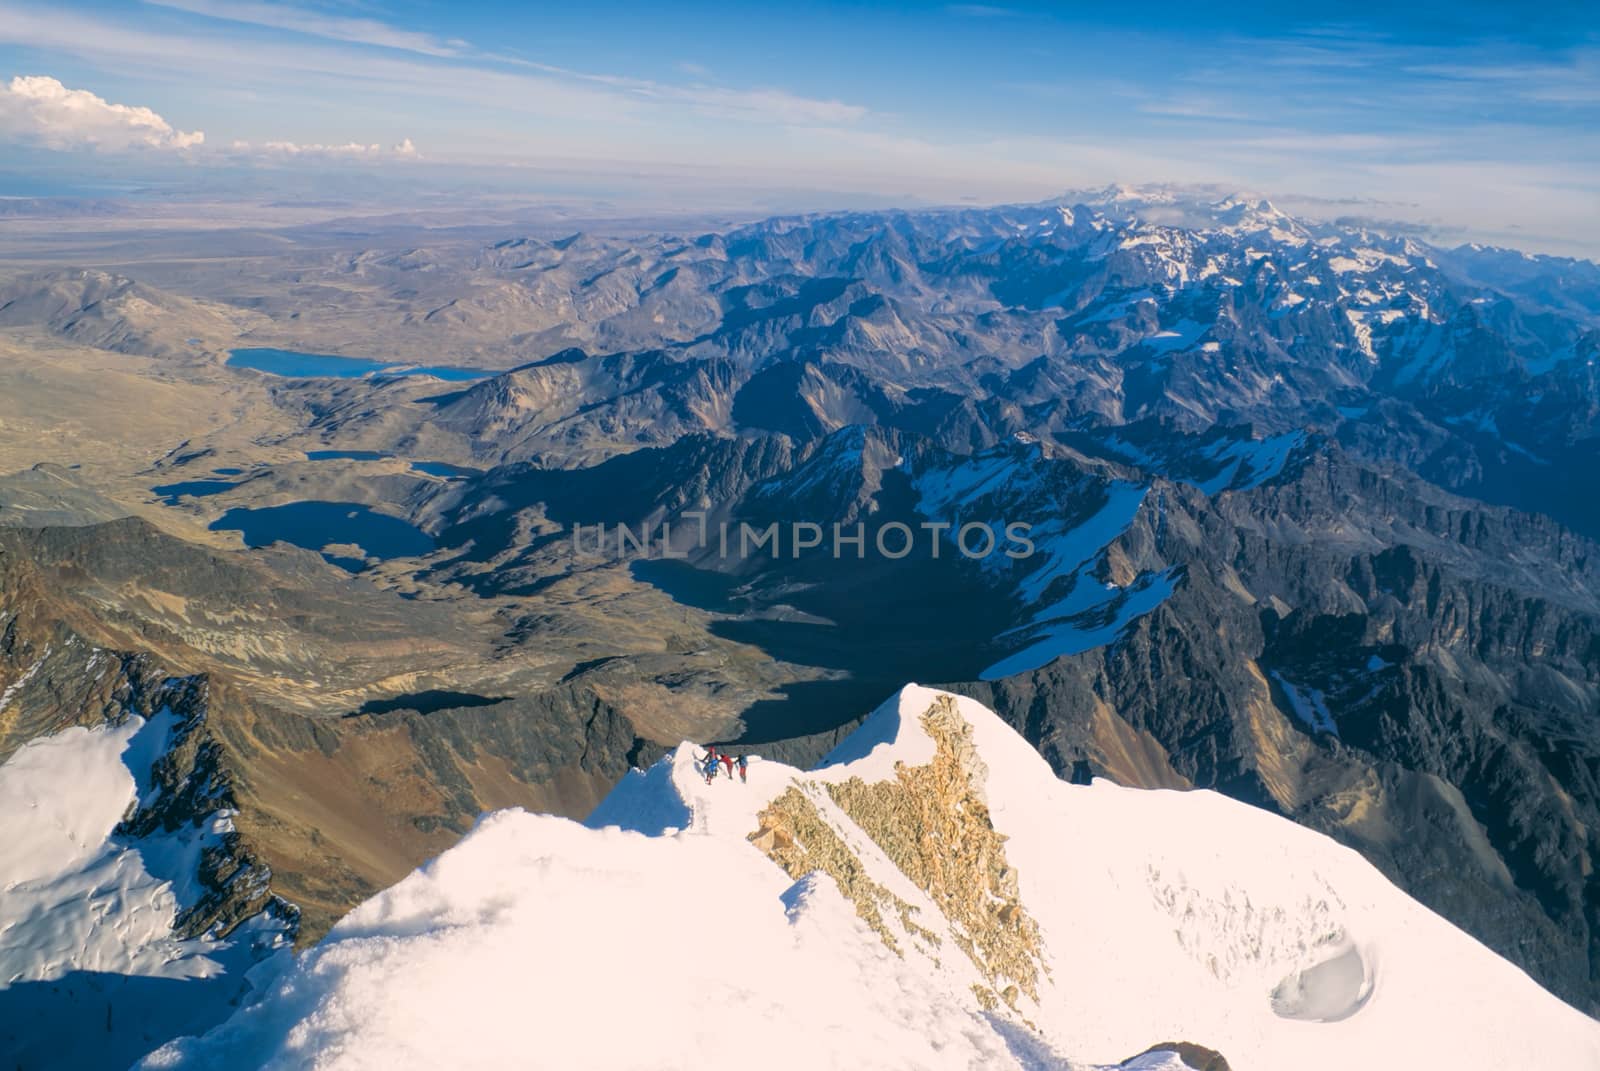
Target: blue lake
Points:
(314, 525)
(325, 365)
(171, 492)
(346, 455)
(432, 468)
(448, 472)
(704, 589)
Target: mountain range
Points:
(1306, 517)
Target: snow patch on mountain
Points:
(1226, 460)
(676, 911)
(1180, 336)
(1249, 463)
(1310, 705)
(61, 798)
(1070, 527)
(91, 913)
(15, 689)
(1093, 615)
(1065, 544)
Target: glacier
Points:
(92, 973)
(1071, 926)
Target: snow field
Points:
(657, 936)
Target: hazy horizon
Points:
(1468, 121)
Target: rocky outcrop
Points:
(191, 786)
(796, 836)
(335, 809)
(1197, 1057)
(932, 824)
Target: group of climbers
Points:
(713, 758)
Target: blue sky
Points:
(1475, 119)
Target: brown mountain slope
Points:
(327, 808)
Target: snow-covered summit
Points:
(931, 896)
(1197, 207)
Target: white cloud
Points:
(1193, 107)
(504, 83)
(212, 59)
(763, 105)
(754, 105)
(40, 108)
(1575, 80)
(1319, 114)
(351, 148)
(348, 150)
(317, 24)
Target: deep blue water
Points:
(305, 365)
(314, 525)
(346, 455)
(432, 468)
(704, 589)
(449, 472)
(197, 488)
(228, 472)
(446, 372)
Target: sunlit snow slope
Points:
(931, 897)
(91, 973)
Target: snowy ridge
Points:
(1224, 460)
(92, 912)
(1093, 614)
(1071, 606)
(1071, 525)
(77, 896)
(675, 912)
